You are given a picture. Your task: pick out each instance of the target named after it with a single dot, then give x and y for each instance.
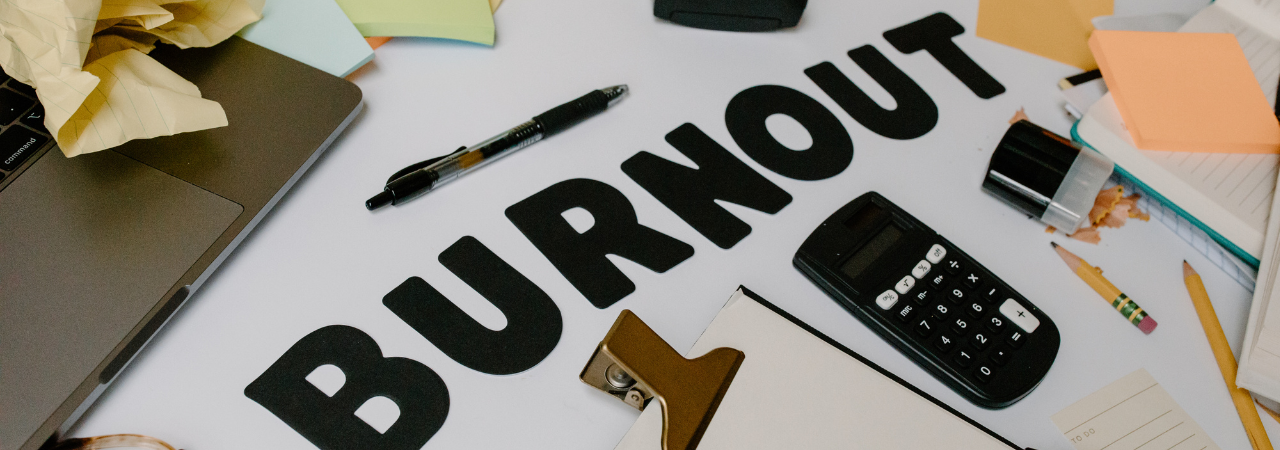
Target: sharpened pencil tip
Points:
(1054, 244)
(1187, 270)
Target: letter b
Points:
(330, 422)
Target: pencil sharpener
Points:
(1047, 176)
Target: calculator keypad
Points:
(967, 322)
(938, 306)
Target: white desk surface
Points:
(321, 259)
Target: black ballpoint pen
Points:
(418, 179)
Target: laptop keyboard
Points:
(22, 123)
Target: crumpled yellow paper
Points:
(87, 60)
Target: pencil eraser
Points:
(1147, 325)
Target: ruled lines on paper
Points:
(1133, 413)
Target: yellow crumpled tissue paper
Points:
(87, 60)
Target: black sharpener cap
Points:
(1033, 157)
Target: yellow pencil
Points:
(1093, 277)
(1226, 361)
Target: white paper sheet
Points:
(796, 391)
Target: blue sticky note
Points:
(315, 32)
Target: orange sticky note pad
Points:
(1186, 92)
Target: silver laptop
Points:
(97, 252)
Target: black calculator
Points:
(932, 301)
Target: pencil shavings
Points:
(1111, 210)
(1020, 115)
(1105, 203)
(1089, 235)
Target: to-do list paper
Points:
(1132, 413)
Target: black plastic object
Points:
(1033, 157)
(954, 318)
(731, 15)
(567, 115)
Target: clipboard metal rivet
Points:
(618, 378)
(635, 365)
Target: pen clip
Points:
(421, 164)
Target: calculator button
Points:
(960, 326)
(975, 310)
(953, 266)
(921, 269)
(944, 343)
(936, 253)
(1000, 355)
(991, 294)
(1016, 339)
(924, 327)
(963, 358)
(923, 296)
(995, 324)
(939, 281)
(940, 311)
(1019, 315)
(905, 312)
(980, 340)
(983, 374)
(955, 295)
(905, 284)
(887, 299)
(973, 280)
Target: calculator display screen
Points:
(872, 250)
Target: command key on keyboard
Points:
(16, 145)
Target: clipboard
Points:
(766, 380)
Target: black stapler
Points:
(731, 15)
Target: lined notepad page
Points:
(1132, 413)
(1243, 184)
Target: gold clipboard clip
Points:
(635, 365)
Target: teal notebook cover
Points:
(1214, 235)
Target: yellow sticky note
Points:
(1055, 29)
(1189, 92)
(467, 20)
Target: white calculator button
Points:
(1019, 315)
(905, 284)
(887, 299)
(921, 269)
(936, 253)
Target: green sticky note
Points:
(467, 20)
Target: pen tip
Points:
(383, 198)
(615, 93)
